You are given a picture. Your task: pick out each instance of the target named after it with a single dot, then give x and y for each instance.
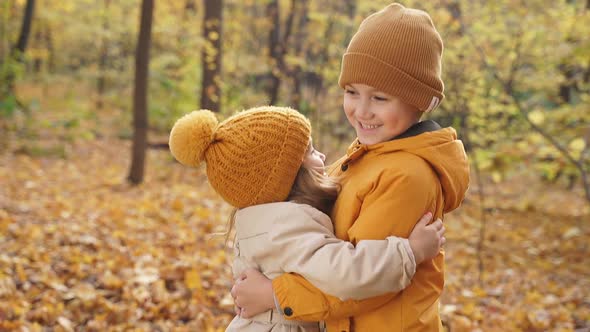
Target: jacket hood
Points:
(442, 150)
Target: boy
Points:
(397, 168)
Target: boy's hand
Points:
(252, 293)
(426, 240)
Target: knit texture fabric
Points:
(397, 50)
(252, 157)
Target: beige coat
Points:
(288, 237)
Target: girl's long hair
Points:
(313, 188)
(310, 187)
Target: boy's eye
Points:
(379, 98)
(349, 91)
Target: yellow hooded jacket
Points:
(386, 188)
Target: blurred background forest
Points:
(100, 230)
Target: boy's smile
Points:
(376, 116)
(368, 126)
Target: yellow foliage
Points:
(80, 249)
(192, 279)
(177, 205)
(537, 117)
(141, 251)
(576, 146)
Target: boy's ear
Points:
(433, 104)
(418, 115)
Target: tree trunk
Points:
(190, 9)
(350, 8)
(50, 62)
(37, 63)
(103, 58)
(211, 55)
(140, 116)
(587, 73)
(300, 37)
(565, 92)
(50, 48)
(18, 50)
(274, 48)
(25, 30)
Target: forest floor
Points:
(82, 250)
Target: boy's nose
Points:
(363, 110)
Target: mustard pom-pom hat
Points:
(191, 136)
(251, 158)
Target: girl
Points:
(262, 162)
(397, 168)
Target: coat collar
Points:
(357, 149)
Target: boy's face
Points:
(376, 116)
(314, 159)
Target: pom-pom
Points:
(191, 136)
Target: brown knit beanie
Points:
(252, 157)
(397, 50)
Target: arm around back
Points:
(392, 207)
(303, 242)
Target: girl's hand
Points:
(425, 239)
(252, 293)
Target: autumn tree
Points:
(290, 52)
(212, 55)
(286, 42)
(140, 117)
(25, 31)
(275, 50)
(17, 53)
(518, 99)
(103, 56)
(300, 15)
